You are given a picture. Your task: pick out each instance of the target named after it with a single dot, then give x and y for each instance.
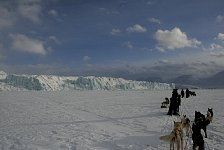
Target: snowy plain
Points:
(100, 120)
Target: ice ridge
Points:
(10, 82)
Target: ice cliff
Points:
(9, 82)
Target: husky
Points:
(175, 137)
(210, 114)
(192, 93)
(186, 124)
(165, 103)
(205, 120)
(199, 123)
(198, 141)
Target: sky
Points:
(133, 39)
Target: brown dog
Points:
(175, 137)
(186, 124)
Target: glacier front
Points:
(11, 82)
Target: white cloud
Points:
(174, 39)
(219, 54)
(128, 44)
(23, 43)
(154, 20)
(164, 61)
(136, 28)
(219, 18)
(54, 39)
(115, 31)
(215, 47)
(30, 9)
(216, 50)
(86, 58)
(220, 36)
(53, 12)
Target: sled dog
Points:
(165, 103)
(186, 124)
(209, 114)
(175, 137)
(204, 120)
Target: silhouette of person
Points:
(182, 93)
(187, 93)
(178, 105)
(173, 103)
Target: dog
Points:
(175, 137)
(210, 114)
(198, 141)
(186, 124)
(206, 120)
(165, 103)
(200, 122)
(192, 93)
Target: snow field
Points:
(100, 120)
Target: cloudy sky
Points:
(119, 38)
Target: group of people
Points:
(187, 93)
(175, 101)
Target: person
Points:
(187, 93)
(173, 103)
(171, 108)
(178, 105)
(182, 93)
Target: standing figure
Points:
(173, 103)
(187, 93)
(178, 105)
(182, 93)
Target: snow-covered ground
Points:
(100, 120)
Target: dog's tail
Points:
(166, 138)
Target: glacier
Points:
(15, 82)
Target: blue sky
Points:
(120, 38)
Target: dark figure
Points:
(173, 103)
(178, 104)
(210, 110)
(165, 103)
(197, 137)
(200, 122)
(167, 100)
(171, 108)
(204, 120)
(182, 93)
(192, 93)
(187, 93)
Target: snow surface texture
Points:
(55, 83)
(100, 120)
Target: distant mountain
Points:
(54, 83)
(215, 81)
(184, 81)
(149, 79)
